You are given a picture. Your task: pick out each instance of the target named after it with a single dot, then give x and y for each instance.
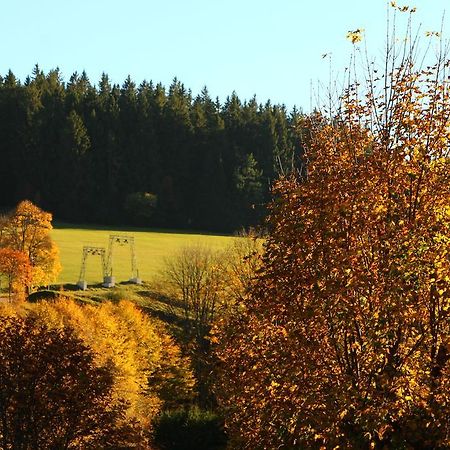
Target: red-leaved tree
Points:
(15, 267)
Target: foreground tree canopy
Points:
(52, 395)
(75, 376)
(345, 338)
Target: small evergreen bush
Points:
(189, 429)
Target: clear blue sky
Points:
(271, 48)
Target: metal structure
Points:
(91, 251)
(122, 239)
(107, 261)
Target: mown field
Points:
(151, 247)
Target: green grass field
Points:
(152, 247)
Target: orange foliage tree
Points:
(15, 267)
(28, 229)
(344, 341)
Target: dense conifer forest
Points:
(140, 154)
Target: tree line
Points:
(140, 155)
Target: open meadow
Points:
(151, 248)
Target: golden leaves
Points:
(357, 271)
(355, 36)
(27, 230)
(52, 373)
(405, 8)
(147, 365)
(432, 33)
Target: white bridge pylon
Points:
(122, 240)
(107, 260)
(89, 250)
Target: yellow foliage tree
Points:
(148, 369)
(242, 259)
(28, 229)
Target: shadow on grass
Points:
(165, 311)
(162, 298)
(154, 303)
(70, 287)
(121, 228)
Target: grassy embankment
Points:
(193, 428)
(152, 247)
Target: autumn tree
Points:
(52, 395)
(203, 286)
(15, 267)
(194, 279)
(148, 370)
(241, 261)
(344, 341)
(27, 230)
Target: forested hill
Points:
(89, 151)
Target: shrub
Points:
(42, 295)
(191, 429)
(141, 206)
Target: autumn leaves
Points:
(75, 376)
(28, 257)
(345, 338)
